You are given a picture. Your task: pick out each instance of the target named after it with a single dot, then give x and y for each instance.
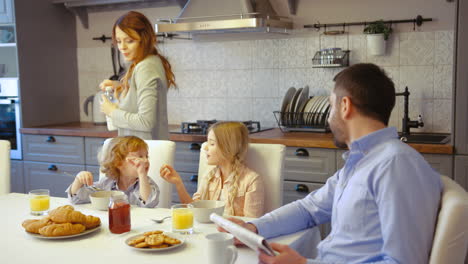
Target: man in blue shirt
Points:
(382, 204)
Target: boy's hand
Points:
(141, 165)
(84, 177)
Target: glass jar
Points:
(119, 214)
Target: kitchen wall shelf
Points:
(331, 60)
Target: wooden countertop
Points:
(273, 136)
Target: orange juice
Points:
(39, 203)
(182, 218)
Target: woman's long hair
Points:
(232, 141)
(113, 155)
(138, 27)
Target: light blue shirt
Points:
(133, 192)
(382, 206)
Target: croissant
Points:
(66, 215)
(91, 222)
(61, 229)
(33, 225)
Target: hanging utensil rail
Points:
(418, 21)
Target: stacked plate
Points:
(297, 109)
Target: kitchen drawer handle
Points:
(302, 188)
(194, 178)
(195, 146)
(50, 139)
(301, 152)
(52, 168)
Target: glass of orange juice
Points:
(39, 201)
(182, 218)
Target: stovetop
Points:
(200, 127)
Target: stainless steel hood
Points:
(225, 16)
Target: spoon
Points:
(159, 221)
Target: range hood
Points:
(226, 16)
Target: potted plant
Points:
(377, 34)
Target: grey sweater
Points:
(142, 111)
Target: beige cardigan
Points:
(142, 111)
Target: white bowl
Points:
(100, 200)
(203, 208)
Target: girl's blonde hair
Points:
(232, 141)
(111, 156)
(138, 27)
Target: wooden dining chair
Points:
(4, 167)
(265, 159)
(160, 152)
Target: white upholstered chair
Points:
(265, 159)
(4, 167)
(450, 243)
(160, 152)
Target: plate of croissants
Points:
(157, 240)
(62, 222)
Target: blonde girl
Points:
(231, 180)
(142, 92)
(124, 161)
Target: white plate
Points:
(308, 108)
(292, 107)
(286, 100)
(314, 110)
(173, 235)
(63, 237)
(321, 110)
(302, 100)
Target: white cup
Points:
(220, 248)
(6, 36)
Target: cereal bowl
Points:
(203, 208)
(100, 200)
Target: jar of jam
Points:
(119, 214)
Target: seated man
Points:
(382, 204)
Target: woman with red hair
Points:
(142, 92)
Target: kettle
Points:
(99, 118)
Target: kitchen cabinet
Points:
(16, 176)
(461, 171)
(47, 63)
(187, 158)
(441, 163)
(51, 162)
(306, 170)
(6, 11)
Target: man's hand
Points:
(240, 222)
(286, 255)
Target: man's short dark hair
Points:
(371, 91)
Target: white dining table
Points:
(102, 246)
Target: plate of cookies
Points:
(157, 240)
(62, 222)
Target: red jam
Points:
(119, 217)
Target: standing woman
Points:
(142, 92)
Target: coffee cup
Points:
(5, 36)
(220, 248)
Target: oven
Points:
(10, 115)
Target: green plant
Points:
(378, 27)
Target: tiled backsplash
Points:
(246, 80)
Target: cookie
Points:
(152, 232)
(141, 245)
(160, 246)
(155, 240)
(171, 241)
(137, 240)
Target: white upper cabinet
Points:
(6, 12)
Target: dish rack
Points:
(331, 58)
(296, 121)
